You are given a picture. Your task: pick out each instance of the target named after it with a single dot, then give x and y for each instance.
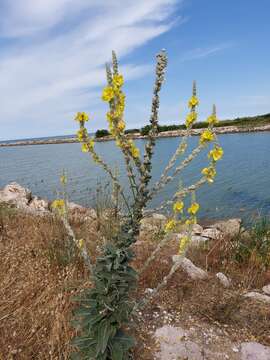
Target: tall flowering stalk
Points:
(105, 310)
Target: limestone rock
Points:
(266, 289)
(224, 280)
(197, 229)
(15, 194)
(254, 351)
(211, 233)
(153, 223)
(194, 272)
(197, 239)
(159, 217)
(39, 205)
(230, 228)
(258, 297)
(79, 213)
(172, 344)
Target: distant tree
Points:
(101, 133)
(132, 131)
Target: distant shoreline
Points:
(165, 134)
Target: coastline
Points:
(165, 134)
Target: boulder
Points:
(15, 194)
(197, 229)
(229, 228)
(258, 297)
(159, 217)
(266, 289)
(211, 233)
(197, 239)
(224, 280)
(194, 272)
(254, 351)
(173, 344)
(38, 205)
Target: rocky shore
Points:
(165, 134)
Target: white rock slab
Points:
(194, 272)
(224, 280)
(266, 289)
(160, 217)
(173, 345)
(259, 297)
(254, 351)
(229, 227)
(197, 239)
(197, 229)
(16, 194)
(211, 233)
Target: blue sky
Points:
(52, 55)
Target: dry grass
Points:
(37, 284)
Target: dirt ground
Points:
(37, 286)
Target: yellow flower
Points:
(193, 209)
(191, 118)
(85, 147)
(135, 152)
(59, 205)
(178, 206)
(212, 119)
(108, 93)
(121, 126)
(80, 243)
(109, 116)
(183, 244)
(191, 221)
(81, 134)
(206, 136)
(171, 224)
(193, 101)
(209, 173)
(216, 153)
(63, 179)
(81, 117)
(118, 80)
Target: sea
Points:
(241, 188)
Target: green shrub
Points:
(256, 246)
(101, 133)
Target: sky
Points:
(52, 56)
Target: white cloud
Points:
(203, 52)
(55, 50)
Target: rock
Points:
(226, 282)
(197, 229)
(254, 351)
(38, 204)
(230, 228)
(79, 213)
(266, 289)
(194, 272)
(211, 233)
(257, 296)
(159, 217)
(73, 206)
(173, 345)
(153, 223)
(15, 194)
(197, 239)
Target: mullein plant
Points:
(105, 310)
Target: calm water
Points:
(242, 186)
